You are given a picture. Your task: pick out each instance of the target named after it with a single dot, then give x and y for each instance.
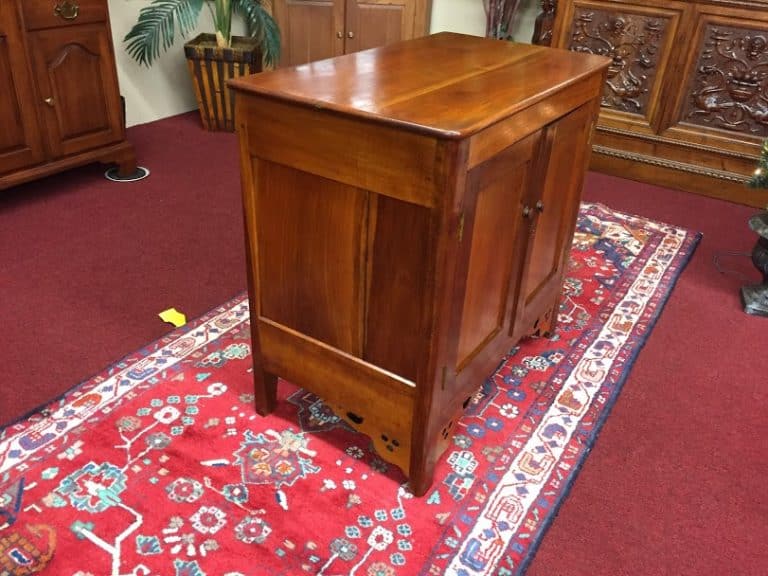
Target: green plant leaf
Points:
(156, 28)
(261, 26)
(759, 177)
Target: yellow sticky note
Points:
(173, 316)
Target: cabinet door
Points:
(310, 29)
(20, 143)
(78, 87)
(639, 37)
(492, 251)
(551, 210)
(723, 102)
(372, 23)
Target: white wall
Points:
(165, 89)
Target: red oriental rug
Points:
(160, 466)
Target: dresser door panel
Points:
(20, 143)
(553, 213)
(637, 37)
(493, 242)
(724, 101)
(312, 235)
(78, 85)
(310, 30)
(372, 23)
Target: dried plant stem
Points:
(500, 17)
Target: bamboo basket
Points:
(210, 67)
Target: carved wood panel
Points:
(633, 41)
(729, 83)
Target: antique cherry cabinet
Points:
(59, 98)
(685, 103)
(408, 223)
(317, 29)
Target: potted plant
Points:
(212, 58)
(755, 296)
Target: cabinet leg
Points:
(549, 327)
(265, 391)
(420, 479)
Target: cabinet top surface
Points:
(448, 84)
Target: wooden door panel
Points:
(396, 284)
(78, 85)
(553, 212)
(311, 236)
(372, 23)
(724, 101)
(637, 36)
(310, 30)
(495, 191)
(12, 135)
(20, 143)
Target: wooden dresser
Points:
(59, 98)
(685, 103)
(408, 223)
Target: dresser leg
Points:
(127, 166)
(265, 391)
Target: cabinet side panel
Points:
(364, 154)
(399, 267)
(497, 187)
(310, 237)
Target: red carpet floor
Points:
(676, 482)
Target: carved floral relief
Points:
(633, 42)
(730, 86)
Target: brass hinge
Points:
(460, 228)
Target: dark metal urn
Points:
(755, 296)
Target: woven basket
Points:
(210, 67)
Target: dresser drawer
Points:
(56, 13)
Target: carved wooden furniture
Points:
(313, 30)
(685, 104)
(542, 29)
(59, 102)
(408, 223)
